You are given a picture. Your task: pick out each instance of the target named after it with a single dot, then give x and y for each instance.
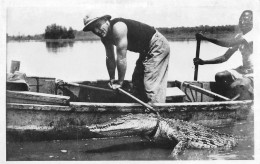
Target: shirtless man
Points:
(239, 80)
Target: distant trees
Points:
(173, 33)
(205, 29)
(189, 32)
(25, 37)
(58, 32)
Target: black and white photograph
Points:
(130, 80)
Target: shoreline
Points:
(169, 36)
(172, 34)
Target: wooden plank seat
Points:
(27, 97)
(174, 94)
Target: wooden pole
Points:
(15, 66)
(138, 100)
(206, 92)
(197, 56)
(119, 89)
(90, 87)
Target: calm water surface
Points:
(85, 60)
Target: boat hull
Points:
(49, 122)
(66, 112)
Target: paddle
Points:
(87, 86)
(235, 97)
(138, 100)
(197, 56)
(111, 91)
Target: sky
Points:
(29, 17)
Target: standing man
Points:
(239, 80)
(150, 74)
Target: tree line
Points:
(205, 29)
(58, 32)
(189, 32)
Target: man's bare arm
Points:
(222, 42)
(222, 58)
(110, 60)
(121, 42)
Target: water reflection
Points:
(58, 46)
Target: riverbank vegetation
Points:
(56, 32)
(186, 33)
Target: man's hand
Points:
(115, 85)
(199, 36)
(198, 61)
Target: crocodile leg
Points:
(179, 148)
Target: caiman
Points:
(159, 129)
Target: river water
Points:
(85, 60)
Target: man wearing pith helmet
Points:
(150, 75)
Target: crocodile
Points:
(159, 130)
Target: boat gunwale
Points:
(134, 107)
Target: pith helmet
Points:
(88, 21)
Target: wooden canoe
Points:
(52, 112)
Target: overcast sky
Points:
(29, 17)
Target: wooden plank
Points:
(135, 107)
(161, 107)
(206, 92)
(38, 107)
(174, 92)
(35, 98)
(42, 84)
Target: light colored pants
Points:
(151, 71)
(239, 75)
